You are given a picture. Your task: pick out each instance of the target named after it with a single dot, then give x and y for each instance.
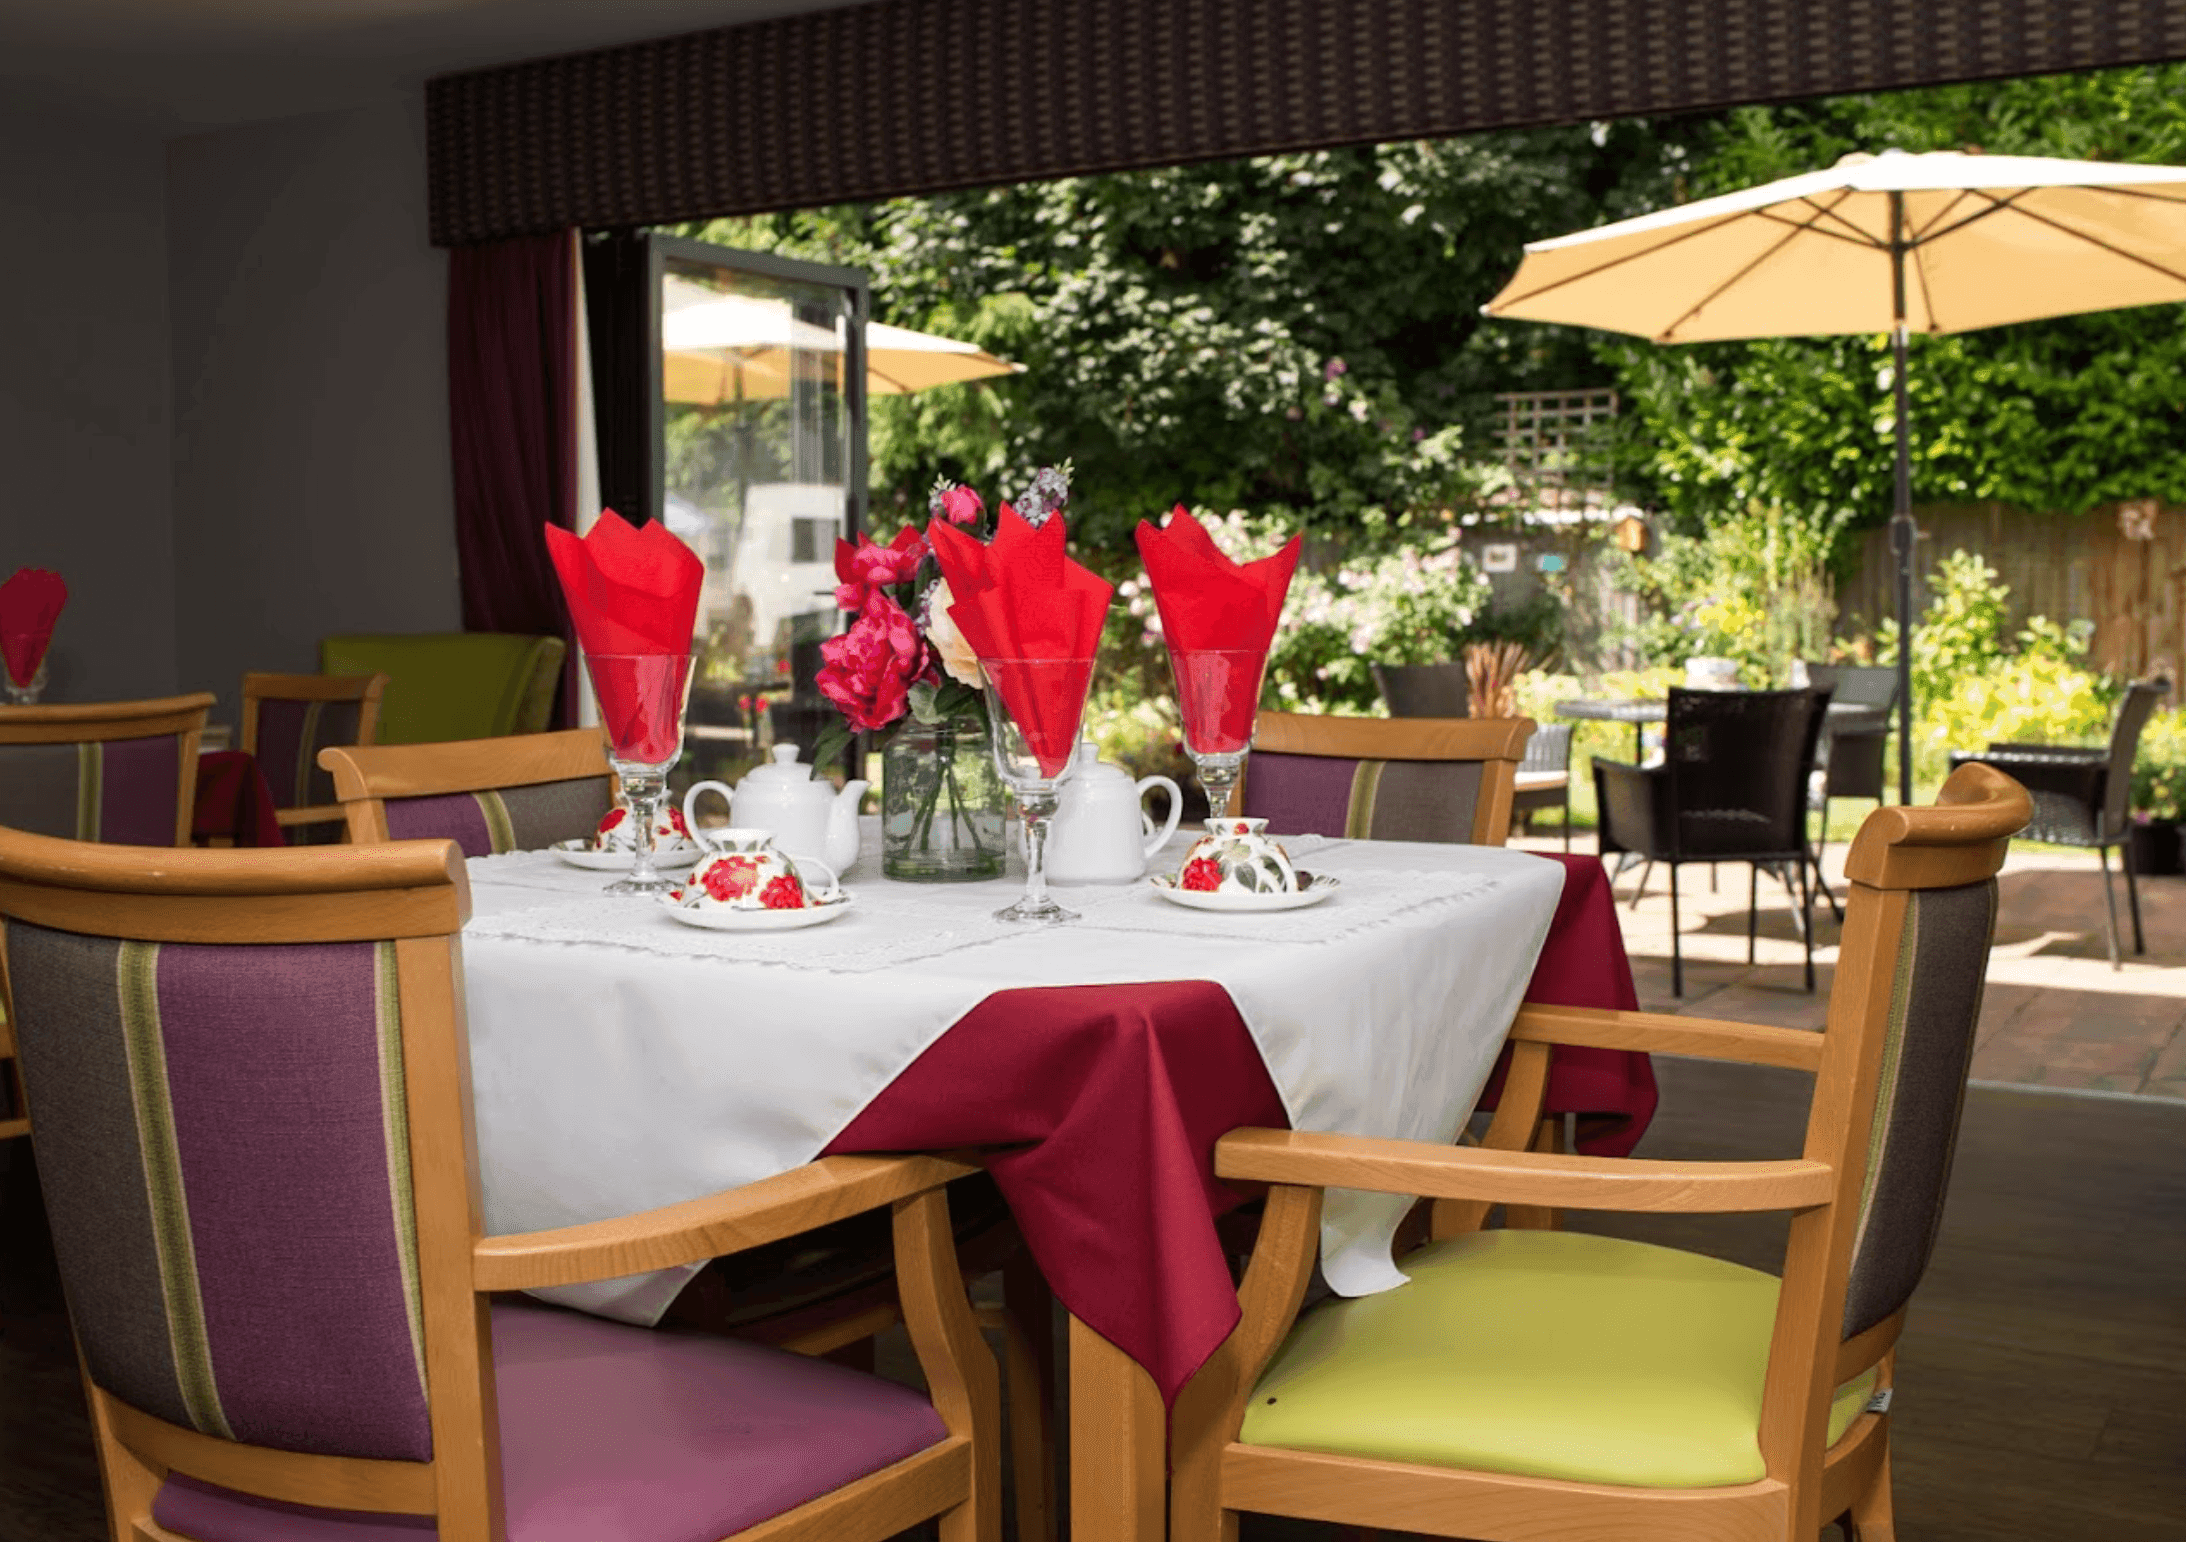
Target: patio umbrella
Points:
(1941, 242)
(733, 347)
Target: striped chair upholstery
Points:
(203, 1109)
(1385, 779)
(122, 772)
(498, 819)
(1935, 1003)
(288, 719)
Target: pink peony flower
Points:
(868, 671)
(865, 567)
(961, 506)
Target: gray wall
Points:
(84, 423)
(311, 475)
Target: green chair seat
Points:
(1543, 1354)
(453, 685)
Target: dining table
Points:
(622, 1060)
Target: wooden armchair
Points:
(1390, 779)
(256, 1151)
(121, 771)
(523, 792)
(288, 719)
(1549, 1384)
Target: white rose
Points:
(956, 654)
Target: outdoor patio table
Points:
(622, 1061)
(1844, 718)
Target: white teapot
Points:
(809, 819)
(1101, 833)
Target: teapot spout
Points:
(842, 825)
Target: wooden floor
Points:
(2042, 1379)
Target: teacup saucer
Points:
(722, 918)
(1312, 889)
(578, 852)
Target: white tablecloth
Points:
(621, 1060)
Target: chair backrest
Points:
(2132, 714)
(288, 719)
(1549, 749)
(249, 1079)
(1737, 767)
(453, 685)
(519, 793)
(120, 771)
(1855, 685)
(1388, 779)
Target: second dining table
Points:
(622, 1061)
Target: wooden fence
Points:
(2061, 566)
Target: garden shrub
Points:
(1755, 586)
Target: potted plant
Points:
(2159, 796)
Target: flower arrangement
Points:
(902, 670)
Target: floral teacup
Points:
(1237, 856)
(743, 871)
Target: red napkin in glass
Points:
(632, 589)
(30, 603)
(1210, 604)
(1025, 607)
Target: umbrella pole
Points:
(1902, 532)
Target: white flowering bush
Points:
(1407, 606)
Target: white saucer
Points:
(1312, 889)
(578, 852)
(722, 919)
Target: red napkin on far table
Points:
(30, 603)
(632, 589)
(1025, 606)
(1209, 603)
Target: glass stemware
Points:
(1218, 696)
(642, 697)
(26, 694)
(1034, 750)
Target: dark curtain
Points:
(617, 281)
(512, 429)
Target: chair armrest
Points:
(1520, 1177)
(2064, 771)
(728, 1222)
(1660, 1033)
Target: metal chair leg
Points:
(1567, 822)
(1753, 909)
(1677, 958)
(2132, 894)
(1806, 926)
(1647, 867)
(2110, 900)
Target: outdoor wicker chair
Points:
(1732, 788)
(2082, 794)
(1849, 763)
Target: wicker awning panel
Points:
(917, 96)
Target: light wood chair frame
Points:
(417, 893)
(1960, 840)
(365, 777)
(367, 691)
(1497, 743)
(182, 716)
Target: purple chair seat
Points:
(618, 1434)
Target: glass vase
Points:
(944, 810)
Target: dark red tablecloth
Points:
(1111, 1099)
(234, 801)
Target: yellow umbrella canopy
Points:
(1941, 242)
(731, 347)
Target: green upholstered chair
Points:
(1386, 779)
(1551, 1384)
(453, 685)
(252, 1083)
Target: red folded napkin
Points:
(30, 603)
(632, 590)
(1034, 617)
(1210, 604)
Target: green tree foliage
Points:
(2053, 415)
(1295, 334)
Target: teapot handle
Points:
(1159, 838)
(690, 808)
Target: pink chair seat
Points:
(618, 1434)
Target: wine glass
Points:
(27, 693)
(641, 698)
(1218, 694)
(1035, 748)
